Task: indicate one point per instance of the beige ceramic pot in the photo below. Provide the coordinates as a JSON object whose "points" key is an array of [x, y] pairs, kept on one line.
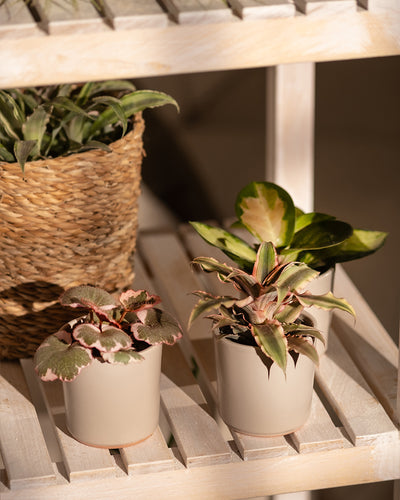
{"points": [[114, 405], [321, 318], [257, 400]]}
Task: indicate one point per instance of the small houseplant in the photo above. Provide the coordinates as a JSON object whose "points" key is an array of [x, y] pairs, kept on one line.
{"points": [[109, 361], [70, 175], [264, 343], [266, 212]]}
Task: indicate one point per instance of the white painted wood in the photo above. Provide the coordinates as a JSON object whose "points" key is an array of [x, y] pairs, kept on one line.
{"points": [[23, 448], [351, 398], [263, 9], [195, 431], [198, 11], [136, 14], [290, 130], [152, 455], [254, 447], [377, 360], [70, 17], [323, 8], [386, 6], [319, 432], [222, 46], [17, 21]]}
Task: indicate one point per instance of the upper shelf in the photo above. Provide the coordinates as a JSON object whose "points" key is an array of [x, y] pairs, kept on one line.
{"points": [[41, 46]]}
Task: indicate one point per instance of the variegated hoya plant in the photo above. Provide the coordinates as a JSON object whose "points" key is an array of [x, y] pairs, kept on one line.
{"points": [[113, 331], [269, 310], [267, 213]]}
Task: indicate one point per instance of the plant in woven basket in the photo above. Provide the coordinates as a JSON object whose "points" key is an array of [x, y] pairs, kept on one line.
{"points": [[113, 330], [269, 311], [268, 213], [58, 120]]}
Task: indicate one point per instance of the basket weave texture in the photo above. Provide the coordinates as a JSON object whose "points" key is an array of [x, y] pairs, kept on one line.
{"points": [[71, 220]]}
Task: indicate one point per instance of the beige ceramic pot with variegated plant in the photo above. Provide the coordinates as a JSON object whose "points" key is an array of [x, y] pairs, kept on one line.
{"points": [[264, 343], [110, 364]]}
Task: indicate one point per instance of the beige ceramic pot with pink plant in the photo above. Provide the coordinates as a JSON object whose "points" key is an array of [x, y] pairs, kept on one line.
{"points": [[110, 364]]}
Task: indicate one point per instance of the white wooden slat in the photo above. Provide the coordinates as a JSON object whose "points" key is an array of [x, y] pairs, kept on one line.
{"points": [[376, 360], [325, 8], [352, 399], [319, 432], [63, 18], [254, 447], [127, 14], [198, 11], [263, 9], [22, 444], [195, 431], [17, 21], [80, 461], [290, 136], [151, 455]]}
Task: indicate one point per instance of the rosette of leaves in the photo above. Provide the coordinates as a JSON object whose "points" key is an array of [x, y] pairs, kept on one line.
{"points": [[268, 213], [269, 312], [113, 330], [57, 120]]}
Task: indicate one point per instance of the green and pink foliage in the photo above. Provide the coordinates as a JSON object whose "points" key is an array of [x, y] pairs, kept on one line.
{"points": [[268, 213], [113, 331], [270, 307]]}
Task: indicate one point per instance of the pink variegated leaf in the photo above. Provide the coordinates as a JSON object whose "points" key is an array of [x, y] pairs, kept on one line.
{"points": [[303, 346], [90, 297], [109, 339], [137, 300], [272, 340], [55, 359], [156, 327], [122, 357], [327, 302]]}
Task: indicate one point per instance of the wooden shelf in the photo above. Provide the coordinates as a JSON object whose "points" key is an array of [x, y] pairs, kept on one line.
{"points": [[143, 39], [352, 435]]}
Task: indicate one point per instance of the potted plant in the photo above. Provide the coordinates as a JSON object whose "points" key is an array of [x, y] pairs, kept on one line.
{"points": [[266, 212], [109, 361], [70, 174], [264, 343]]}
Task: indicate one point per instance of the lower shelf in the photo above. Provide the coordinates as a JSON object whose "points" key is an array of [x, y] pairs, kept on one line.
{"points": [[352, 435]]}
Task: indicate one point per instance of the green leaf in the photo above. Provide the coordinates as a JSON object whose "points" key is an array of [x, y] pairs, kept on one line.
{"points": [[207, 303], [304, 220], [68, 104], [122, 357], [94, 145], [115, 105], [236, 248], [267, 211], [289, 312], [108, 339], [360, 244], [327, 301], [11, 116], [132, 104], [300, 329], [303, 346], [5, 155], [35, 127], [22, 150], [321, 234], [156, 327], [266, 261], [55, 359], [271, 338], [293, 277]]}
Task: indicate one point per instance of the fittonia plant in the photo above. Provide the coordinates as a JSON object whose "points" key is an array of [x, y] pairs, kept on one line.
{"points": [[268, 213], [113, 331], [270, 308]]}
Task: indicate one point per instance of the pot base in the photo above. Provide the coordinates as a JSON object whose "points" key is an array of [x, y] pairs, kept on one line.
{"points": [[112, 447], [266, 435]]}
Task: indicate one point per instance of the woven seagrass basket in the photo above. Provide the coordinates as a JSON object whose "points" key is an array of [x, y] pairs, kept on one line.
{"points": [[72, 220]]}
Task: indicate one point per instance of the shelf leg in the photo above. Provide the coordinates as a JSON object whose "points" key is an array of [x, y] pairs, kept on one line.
{"points": [[290, 130]]}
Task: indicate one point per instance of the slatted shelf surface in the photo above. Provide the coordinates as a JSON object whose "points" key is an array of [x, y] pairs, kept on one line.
{"points": [[136, 38], [351, 436]]}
